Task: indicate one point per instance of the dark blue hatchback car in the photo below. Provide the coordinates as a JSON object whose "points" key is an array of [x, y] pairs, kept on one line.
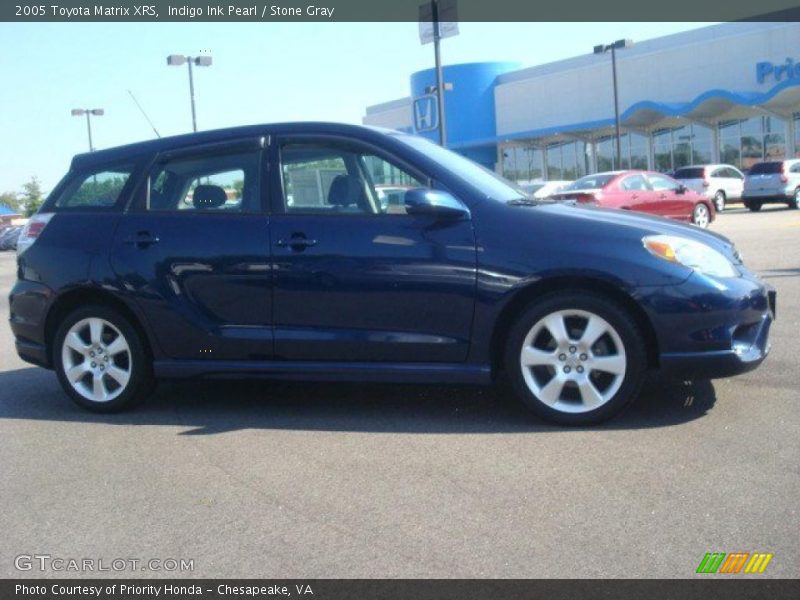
{"points": [[265, 251]]}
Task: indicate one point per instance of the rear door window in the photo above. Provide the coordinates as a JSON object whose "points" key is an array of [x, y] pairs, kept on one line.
{"points": [[219, 183], [634, 183]]}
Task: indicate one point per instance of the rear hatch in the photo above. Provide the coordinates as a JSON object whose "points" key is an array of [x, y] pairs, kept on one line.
{"points": [[765, 179], [693, 178]]}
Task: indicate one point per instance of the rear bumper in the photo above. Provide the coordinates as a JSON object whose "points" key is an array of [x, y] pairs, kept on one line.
{"points": [[28, 304], [768, 195]]}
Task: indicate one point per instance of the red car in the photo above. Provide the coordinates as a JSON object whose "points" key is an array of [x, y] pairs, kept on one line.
{"points": [[644, 191]]}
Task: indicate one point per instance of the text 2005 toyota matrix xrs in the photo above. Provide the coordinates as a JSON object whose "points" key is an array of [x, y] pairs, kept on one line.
{"points": [[265, 251]]}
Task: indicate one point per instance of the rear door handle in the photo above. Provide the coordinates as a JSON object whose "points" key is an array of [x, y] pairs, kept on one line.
{"points": [[141, 239], [296, 243]]}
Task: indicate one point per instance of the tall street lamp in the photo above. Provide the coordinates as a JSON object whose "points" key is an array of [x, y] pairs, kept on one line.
{"points": [[97, 112], [176, 60], [613, 47]]}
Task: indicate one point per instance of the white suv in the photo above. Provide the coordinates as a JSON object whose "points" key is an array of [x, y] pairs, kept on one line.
{"points": [[772, 181], [723, 183]]}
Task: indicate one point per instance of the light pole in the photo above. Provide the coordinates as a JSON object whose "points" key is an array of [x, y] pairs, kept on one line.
{"points": [[602, 49], [176, 60], [97, 112]]}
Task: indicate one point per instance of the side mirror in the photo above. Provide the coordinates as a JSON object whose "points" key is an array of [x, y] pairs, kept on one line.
{"points": [[435, 203], [681, 189]]}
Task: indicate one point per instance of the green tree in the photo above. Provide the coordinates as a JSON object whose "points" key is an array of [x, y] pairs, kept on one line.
{"points": [[10, 199], [32, 196]]}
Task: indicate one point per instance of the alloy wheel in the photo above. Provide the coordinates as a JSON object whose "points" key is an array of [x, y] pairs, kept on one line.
{"points": [[700, 216], [96, 359], [719, 201], [573, 361]]}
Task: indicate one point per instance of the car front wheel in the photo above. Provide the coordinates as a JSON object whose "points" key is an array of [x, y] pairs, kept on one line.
{"points": [[701, 216], [575, 358], [795, 201], [719, 201], [100, 360]]}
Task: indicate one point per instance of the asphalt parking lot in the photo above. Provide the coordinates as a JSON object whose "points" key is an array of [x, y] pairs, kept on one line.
{"points": [[260, 479]]}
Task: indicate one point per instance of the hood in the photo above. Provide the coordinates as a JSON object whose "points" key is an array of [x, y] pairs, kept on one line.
{"points": [[639, 225]]}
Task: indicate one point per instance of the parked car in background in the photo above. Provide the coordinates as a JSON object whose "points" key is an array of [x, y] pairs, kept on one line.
{"points": [[8, 240], [775, 181], [541, 190], [642, 191], [124, 282], [722, 183]]}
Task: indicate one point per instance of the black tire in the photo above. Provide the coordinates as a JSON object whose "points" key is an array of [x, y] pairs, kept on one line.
{"points": [[754, 206], [793, 203], [616, 316], [719, 201], [140, 383]]}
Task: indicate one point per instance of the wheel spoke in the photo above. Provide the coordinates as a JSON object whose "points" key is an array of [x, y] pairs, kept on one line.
{"points": [[74, 341], [76, 373], [589, 394], [555, 325], [119, 375], [98, 388], [551, 392], [117, 346], [532, 356], [595, 328], [614, 364], [96, 331]]}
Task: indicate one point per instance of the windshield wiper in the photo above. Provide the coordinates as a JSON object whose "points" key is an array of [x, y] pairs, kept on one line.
{"points": [[523, 202]]}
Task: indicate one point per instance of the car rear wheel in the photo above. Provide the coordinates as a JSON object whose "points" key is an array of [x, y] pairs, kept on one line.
{"points": [[575, 358], [719, 200], [701, 216], [100, 360], [754, 206]]}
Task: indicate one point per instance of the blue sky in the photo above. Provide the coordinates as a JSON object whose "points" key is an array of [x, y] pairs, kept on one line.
{"points": [[262, 72]]}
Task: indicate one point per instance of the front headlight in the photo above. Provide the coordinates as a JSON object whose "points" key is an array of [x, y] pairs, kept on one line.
{"points": [[690, 253]]}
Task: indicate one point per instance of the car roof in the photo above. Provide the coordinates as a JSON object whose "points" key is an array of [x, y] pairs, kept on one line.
{"points": [[175, 142]]}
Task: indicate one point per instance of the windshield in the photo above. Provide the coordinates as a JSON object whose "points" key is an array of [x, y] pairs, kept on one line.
{"points": [[591, 182], [488, 182]]}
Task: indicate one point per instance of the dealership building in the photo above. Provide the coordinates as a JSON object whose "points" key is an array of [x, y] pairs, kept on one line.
{"points": [[726, 93]]}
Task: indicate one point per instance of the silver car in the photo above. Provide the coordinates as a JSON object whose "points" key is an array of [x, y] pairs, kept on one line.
{"points": [[722, 183], [772, 181]]}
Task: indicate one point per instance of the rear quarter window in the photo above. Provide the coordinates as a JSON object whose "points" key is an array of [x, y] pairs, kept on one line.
{"points": [[100, 189]]}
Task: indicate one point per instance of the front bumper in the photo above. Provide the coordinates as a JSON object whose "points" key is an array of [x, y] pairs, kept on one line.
{"points": [[711, 328]]}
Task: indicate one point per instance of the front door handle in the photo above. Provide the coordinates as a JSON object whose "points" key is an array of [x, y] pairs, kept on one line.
{"points": [[141, 239], [297, 243]]}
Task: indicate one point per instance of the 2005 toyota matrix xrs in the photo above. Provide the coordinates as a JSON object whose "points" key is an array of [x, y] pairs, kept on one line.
{"points": [[266, 251]]}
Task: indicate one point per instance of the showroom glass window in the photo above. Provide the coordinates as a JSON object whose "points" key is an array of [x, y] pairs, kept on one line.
{"points": [[677, 147], [522, 163], [744, 142], [567, 160]]}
